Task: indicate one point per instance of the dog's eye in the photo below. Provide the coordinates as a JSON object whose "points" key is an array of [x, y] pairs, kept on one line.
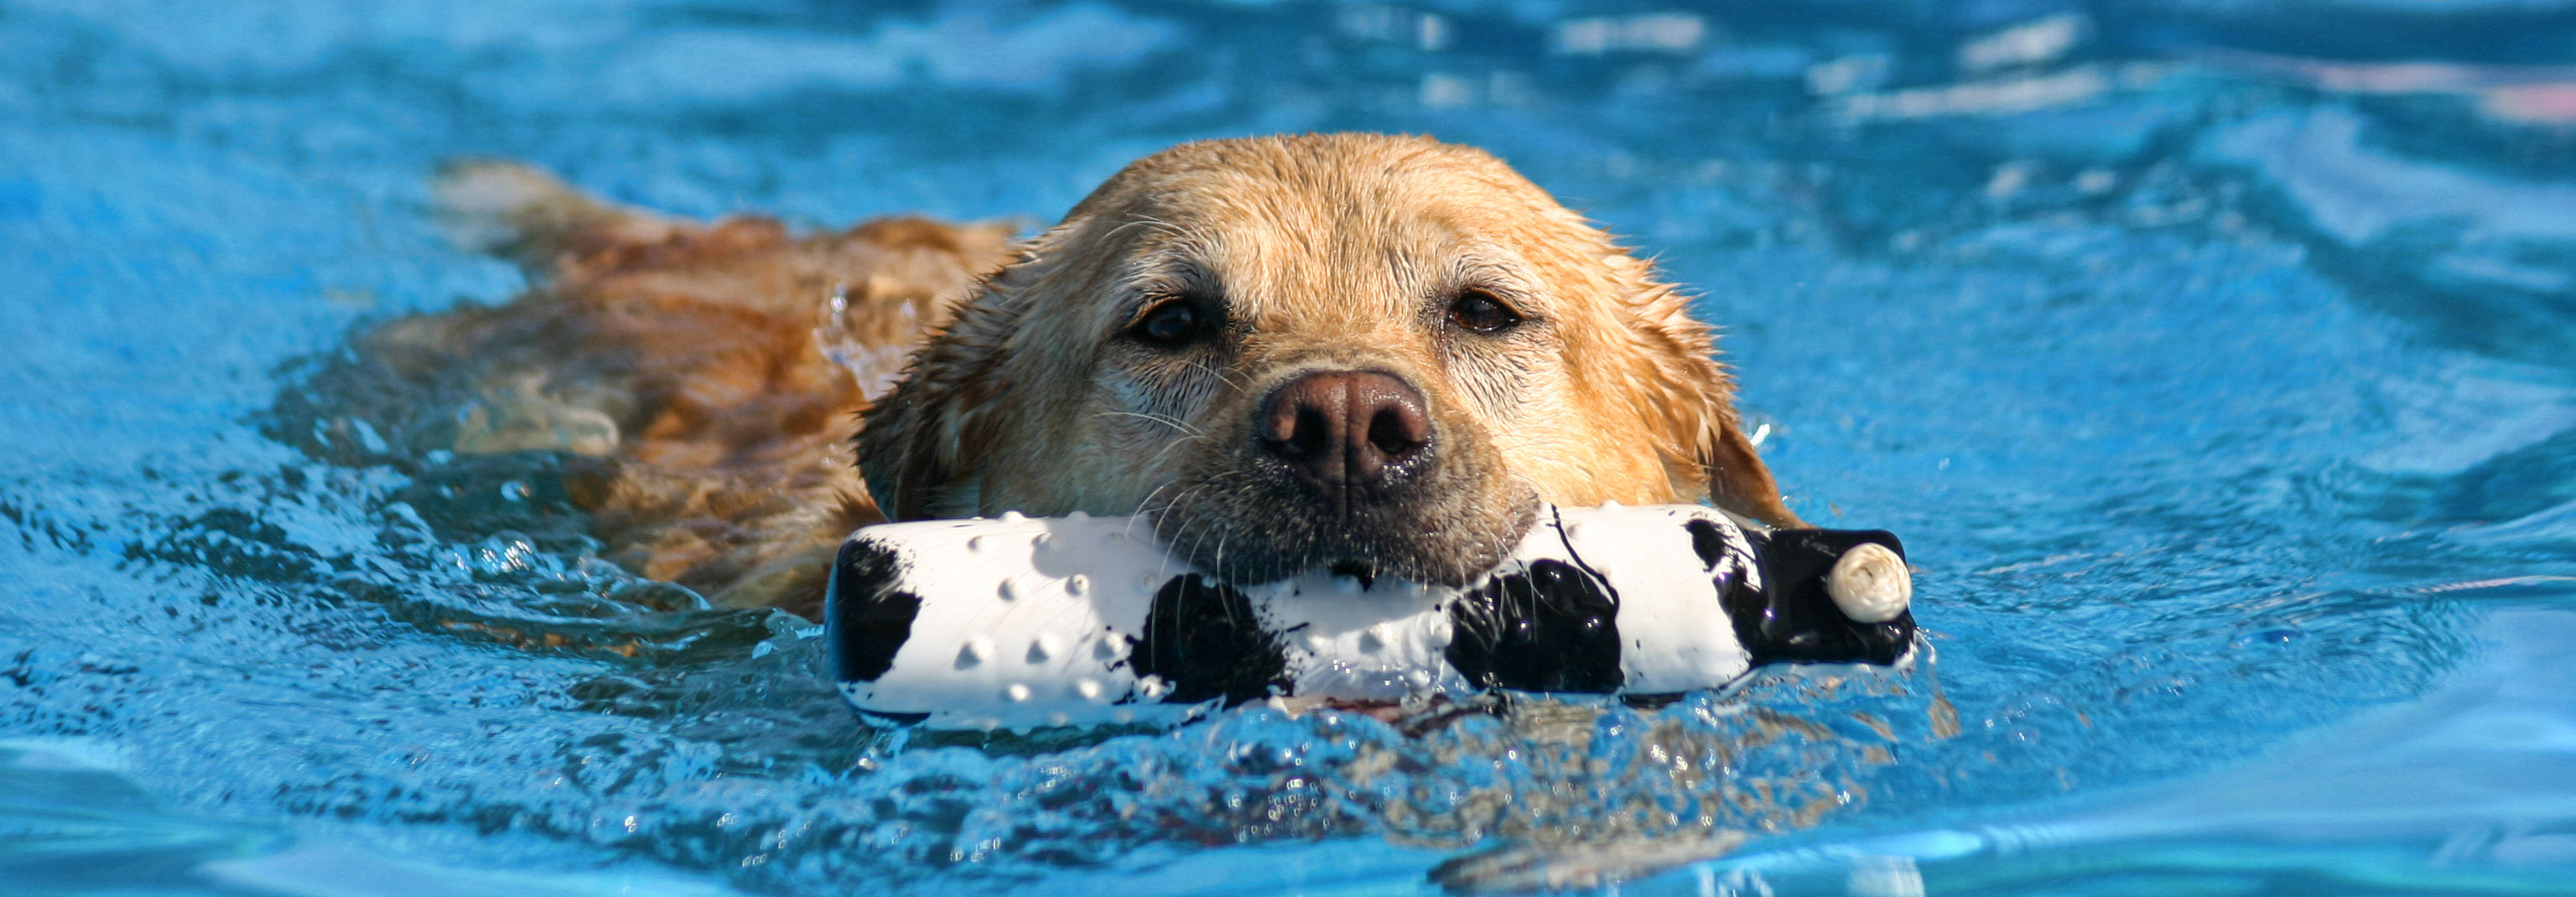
{"points": [[1480, 312], [1169, 325]]}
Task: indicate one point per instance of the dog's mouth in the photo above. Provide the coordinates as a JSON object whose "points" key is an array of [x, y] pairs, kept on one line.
{"points": [[1247, 535]]}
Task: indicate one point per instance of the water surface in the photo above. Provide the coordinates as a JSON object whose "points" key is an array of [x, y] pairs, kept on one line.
{"points": [[2218, 370]]}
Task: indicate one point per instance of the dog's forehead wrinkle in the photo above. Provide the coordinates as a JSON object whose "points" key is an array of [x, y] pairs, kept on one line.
{"points": [[1497, 270], [1164, 271], [1328, 212]]}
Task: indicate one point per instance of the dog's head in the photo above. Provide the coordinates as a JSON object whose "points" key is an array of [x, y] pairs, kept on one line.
{"points": [[1375, 354]]}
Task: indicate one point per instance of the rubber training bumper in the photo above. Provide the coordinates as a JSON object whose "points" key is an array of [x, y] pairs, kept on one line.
{"points": [[1024, 622]]}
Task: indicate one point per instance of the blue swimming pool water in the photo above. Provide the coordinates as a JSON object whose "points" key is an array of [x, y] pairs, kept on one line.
{"points": [[2218, 370]]}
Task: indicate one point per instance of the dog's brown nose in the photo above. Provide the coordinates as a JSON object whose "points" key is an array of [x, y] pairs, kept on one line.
{"points": [[1345, 428]]}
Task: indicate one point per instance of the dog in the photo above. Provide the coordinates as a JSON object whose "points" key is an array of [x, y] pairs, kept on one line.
{"points": [[1374, 354]]}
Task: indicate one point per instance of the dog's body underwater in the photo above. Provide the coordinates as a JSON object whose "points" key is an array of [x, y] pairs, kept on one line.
{"points": [[1375, 354]]}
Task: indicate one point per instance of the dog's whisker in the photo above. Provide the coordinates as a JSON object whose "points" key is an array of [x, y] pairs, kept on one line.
{"points": [[1168, 449], [1146, 508], [1172, 557], [1164, 419], [1222, 375], [1142, 220]]}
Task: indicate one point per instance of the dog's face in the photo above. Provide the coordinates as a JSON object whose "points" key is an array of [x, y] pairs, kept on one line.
{"points": [[1367, 353]]}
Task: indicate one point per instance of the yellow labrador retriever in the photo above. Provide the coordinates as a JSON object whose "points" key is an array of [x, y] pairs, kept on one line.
{"points": [[1372, 353]]}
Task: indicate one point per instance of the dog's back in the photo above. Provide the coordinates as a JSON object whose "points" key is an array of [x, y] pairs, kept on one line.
{"points": [[704, 379]]}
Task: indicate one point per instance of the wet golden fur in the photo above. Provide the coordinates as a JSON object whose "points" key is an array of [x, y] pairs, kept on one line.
{"points": [[691, 364]]}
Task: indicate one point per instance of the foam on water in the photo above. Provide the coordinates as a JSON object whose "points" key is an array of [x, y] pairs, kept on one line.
{"points": [[2220, 406]]}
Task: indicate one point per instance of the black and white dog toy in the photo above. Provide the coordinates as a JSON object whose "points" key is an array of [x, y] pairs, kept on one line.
{"points": [[1023, 622]]}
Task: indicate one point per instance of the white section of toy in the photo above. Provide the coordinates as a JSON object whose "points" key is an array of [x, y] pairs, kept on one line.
{"points": [[1682, 638], [1025, 622]]}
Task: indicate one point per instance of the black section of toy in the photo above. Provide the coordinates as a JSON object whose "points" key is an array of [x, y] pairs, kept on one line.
{"points": [[1204, 641], [1553, 628], [1792, 619], [870, 618]]}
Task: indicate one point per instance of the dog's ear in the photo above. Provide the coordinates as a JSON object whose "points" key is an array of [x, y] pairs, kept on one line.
{"points": [[1738, 480], [1690, 398], [922, 445]]}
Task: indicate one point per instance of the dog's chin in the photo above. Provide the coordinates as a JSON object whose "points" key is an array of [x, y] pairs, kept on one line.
{"points": [[1253, 536]]}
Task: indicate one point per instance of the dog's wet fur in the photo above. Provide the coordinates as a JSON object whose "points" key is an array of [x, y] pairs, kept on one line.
{"points": [[1370, 353]]}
